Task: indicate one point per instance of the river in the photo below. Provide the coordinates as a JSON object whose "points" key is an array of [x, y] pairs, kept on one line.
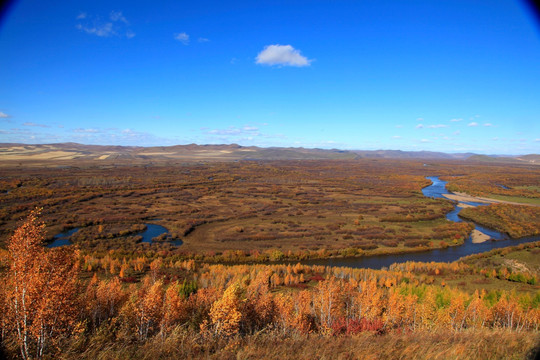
{"points": [[452, 253], [436, 190]]}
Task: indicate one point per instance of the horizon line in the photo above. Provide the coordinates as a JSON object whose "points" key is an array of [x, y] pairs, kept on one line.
{"points": [[268, 147]]}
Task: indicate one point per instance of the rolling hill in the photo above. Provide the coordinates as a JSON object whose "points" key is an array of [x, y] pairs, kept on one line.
{"points": [[69, 152]]}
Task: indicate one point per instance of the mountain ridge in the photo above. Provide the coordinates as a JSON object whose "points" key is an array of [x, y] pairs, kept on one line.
{"points": [[226, 152]]}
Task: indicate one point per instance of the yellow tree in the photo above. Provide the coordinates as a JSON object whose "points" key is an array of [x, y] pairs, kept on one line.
{"points": [[259, 309], [149, 308], [325, 302], [225, 313], [40, 289], [174, 308], [103, 299]]}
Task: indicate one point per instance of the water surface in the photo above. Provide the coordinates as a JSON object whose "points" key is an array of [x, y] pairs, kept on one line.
{"points": [[436, 190], [152, 231]]}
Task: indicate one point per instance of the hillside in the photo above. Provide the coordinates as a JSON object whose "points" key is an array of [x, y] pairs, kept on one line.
{"points": [[68, 152]]}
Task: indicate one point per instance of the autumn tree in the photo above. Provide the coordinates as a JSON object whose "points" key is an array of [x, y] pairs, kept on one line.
{"points": [[225, 313], [143, 311], [40, 289], [174, 308], [103, 300]]}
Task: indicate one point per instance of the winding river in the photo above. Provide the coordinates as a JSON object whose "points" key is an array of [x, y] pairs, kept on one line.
{"points": [[151, 231], [436, 190]]}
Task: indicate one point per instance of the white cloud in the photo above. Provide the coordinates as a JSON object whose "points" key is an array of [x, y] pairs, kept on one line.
{"points": [[101, 30], [203, 40], [232, 130], [3, 115], [488, 124], [420, 119], [472, 124], [456, 120], [419, 126], [457, 132], [182, 37], [35, 125], [115, 25], [536, 140], [99, 136], [495, 139], [117, 16], [284, 55], [246, 134], [86, 131], [437, 126], [399, 126], [425, 141]]}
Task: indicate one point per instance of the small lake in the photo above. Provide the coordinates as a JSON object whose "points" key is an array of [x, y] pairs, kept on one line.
{"points": [[436, 190], [62, 238], [152, 231]]}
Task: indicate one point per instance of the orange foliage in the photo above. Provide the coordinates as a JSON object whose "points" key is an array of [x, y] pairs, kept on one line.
{"points": [[40, 290]]}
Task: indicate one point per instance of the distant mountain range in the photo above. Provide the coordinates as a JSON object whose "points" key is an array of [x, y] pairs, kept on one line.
{"points": [[193, 152]]}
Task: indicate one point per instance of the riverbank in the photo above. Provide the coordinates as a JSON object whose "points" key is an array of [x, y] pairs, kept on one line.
{"points": [[463, 197]]}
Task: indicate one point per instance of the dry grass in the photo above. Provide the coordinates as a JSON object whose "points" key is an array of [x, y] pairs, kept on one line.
{"points": [[418, 345]]}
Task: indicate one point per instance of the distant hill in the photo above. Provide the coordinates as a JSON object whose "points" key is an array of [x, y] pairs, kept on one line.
{"points": [[398, 154], [533, 159], [69, 152]]}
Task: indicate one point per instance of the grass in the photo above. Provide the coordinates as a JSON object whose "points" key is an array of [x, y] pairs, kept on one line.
{"points": [[517, 199], [181, 344], [471, 283], [528, 258], [529, 187], [298, 206]]}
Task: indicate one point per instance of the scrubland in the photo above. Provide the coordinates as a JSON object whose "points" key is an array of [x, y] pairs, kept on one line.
{"points": [[255, 208]]}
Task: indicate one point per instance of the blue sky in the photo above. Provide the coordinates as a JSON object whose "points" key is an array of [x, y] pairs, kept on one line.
{"points": [[448, 76]]}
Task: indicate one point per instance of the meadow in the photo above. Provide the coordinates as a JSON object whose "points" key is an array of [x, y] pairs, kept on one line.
{"points": [[317, 208]]}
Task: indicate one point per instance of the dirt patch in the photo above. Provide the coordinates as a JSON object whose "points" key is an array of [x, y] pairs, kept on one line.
{"points": [[464, 197], [479, 237], [516, 265]]}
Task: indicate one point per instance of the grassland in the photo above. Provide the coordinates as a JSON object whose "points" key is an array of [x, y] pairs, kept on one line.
{"points": [[312, 207], [246, 206], [518, 199], [419, 345]]}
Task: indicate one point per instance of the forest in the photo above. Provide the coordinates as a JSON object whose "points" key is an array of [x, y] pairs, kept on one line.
{"points": [[237, 287]]}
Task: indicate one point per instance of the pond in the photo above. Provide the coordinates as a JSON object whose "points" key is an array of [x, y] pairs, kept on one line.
{"points": [[151, 231]]}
